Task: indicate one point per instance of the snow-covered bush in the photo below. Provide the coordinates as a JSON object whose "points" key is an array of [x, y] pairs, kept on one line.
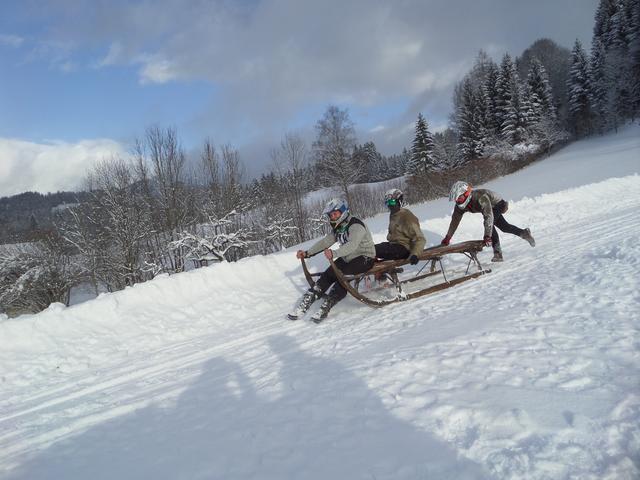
{"points": [[214, 241], [32, 276]]}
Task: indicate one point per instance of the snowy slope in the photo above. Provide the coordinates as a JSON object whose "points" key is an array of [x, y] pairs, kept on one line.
{"points": [[529, 372]]}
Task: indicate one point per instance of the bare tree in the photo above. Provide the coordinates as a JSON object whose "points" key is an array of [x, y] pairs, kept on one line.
{"points": [[334, 149], [232, 174], [210, 171], [161, 169], [290, 161], [110, 230]]}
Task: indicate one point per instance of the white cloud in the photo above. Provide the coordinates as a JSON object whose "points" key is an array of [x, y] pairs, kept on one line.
{"points": [[273, 58], [273, 61], [11, 40], [157, 70], [49, 167]]}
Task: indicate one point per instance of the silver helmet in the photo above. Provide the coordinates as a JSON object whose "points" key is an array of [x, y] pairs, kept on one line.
{"points": [[394, 194], [460, 193], [337, 205]]}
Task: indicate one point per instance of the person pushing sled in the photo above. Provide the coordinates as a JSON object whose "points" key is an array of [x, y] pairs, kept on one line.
{"points": [[492, 207]]}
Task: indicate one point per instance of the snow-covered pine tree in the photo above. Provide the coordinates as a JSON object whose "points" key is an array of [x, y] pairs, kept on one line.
{"points": [[540, 95], [470, 121], [445, 149], [490, 91], [578, 88], [511, 111], [370, 161], [602, 21], [422, 158], [615, 63], [598, 95], [634, 56], [555, 60], [618, 68]]}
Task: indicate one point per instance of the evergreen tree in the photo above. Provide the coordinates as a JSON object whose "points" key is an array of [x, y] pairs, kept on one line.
{"points": [[445, 149], [422, 158], [580, 122], [602, 24], [555, 60], [598, 95], [490, 91], [634, 56], [511, 109], [540, 95], [618, 69], [472, 135], [371, 162]]}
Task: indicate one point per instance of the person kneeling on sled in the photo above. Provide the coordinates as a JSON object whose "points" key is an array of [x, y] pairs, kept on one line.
{"points": [[355, 255], [405, 239], [492, 207]]}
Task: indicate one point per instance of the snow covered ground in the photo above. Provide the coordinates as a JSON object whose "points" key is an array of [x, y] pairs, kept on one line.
{"points": [[532, 371]]}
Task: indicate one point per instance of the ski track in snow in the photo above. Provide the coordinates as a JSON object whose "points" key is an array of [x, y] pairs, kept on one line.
{"points": [[529, 372]]}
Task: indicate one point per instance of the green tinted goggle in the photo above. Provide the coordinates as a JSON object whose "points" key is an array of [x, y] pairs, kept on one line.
{"points": [[392, 202]]}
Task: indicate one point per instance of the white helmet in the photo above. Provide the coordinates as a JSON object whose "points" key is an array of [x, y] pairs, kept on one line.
{"points": [[394, 194], [339, 205], [460, 193]]}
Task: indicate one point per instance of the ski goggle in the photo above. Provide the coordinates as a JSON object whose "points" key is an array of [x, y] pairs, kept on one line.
{"points": [[462, 198], [334, 214], [392, 202]]}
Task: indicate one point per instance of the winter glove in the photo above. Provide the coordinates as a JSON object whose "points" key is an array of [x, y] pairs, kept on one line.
{"points": [[413, 259], [445, 240], [300, 254], [487, 241]]}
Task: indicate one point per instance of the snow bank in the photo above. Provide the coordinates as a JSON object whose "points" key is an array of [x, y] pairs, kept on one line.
{"points": [[529, 372]]}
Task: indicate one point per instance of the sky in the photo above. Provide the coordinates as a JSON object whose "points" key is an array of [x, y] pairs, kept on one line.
{"points": [[82, 79]]}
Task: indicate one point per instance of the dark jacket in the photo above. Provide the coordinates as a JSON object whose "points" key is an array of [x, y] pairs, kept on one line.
{"points": [[482, 201]]}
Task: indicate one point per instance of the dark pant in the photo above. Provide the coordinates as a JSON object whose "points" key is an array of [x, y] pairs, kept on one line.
{"points": [[391, 251], [502, 224], [357, 265]]}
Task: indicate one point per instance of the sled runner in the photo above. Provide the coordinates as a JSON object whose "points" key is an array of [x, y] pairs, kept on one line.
{"points": [[390, 269]]}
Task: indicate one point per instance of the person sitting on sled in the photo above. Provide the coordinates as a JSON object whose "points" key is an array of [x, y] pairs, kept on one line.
{"points": [[492, 207], [356, 254], [405, 238]]}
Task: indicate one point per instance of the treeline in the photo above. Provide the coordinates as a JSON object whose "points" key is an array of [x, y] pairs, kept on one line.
{"points": [[25, 216], [157, 213]]}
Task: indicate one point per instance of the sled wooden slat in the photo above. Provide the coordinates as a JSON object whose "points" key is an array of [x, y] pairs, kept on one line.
{"points": [[392, 268]]}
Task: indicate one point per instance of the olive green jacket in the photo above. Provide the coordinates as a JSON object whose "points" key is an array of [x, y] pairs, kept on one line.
{"points": [[404, 228]]}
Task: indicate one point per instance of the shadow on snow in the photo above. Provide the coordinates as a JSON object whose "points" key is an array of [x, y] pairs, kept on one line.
{"points": [[324, 423]]}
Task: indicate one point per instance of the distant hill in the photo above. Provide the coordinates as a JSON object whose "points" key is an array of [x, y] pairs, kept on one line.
{"points": [[27, 214]]}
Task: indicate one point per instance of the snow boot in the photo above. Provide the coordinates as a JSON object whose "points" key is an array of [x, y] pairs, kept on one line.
{"points": [[497, 254], [324, 309], [307, 300], [526, 235]]}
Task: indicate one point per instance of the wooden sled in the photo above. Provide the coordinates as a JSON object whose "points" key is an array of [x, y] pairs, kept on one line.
{"points": [[391, 268]]}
